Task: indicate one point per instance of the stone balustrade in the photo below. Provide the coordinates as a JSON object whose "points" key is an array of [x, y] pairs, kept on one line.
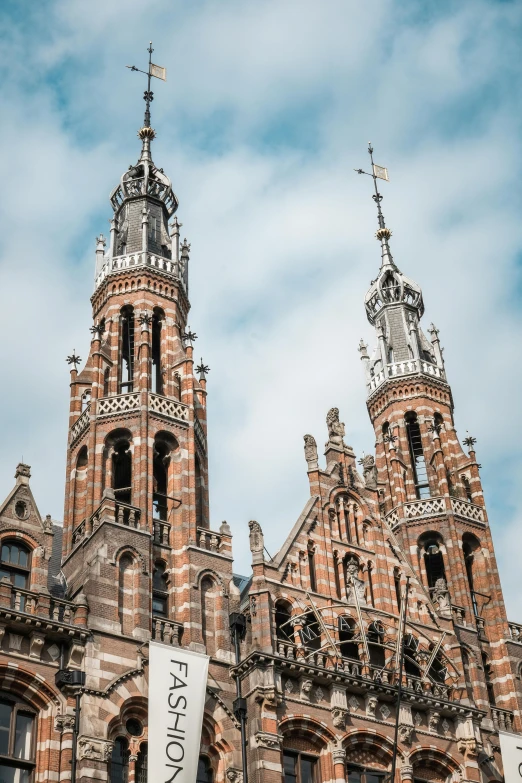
{"points": [[161, 532], [502, 719], [459, 614], [167, 631], [142, 259], [408, 367], [14, 601], [80, 425]]}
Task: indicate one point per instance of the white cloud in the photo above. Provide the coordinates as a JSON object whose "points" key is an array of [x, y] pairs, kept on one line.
{"points": [[266, 112]]}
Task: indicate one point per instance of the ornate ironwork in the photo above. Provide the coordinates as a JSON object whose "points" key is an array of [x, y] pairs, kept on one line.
{"points": [[73, 359]]}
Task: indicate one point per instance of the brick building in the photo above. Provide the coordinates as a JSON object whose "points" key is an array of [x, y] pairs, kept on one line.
{"points": [[391, 552]]}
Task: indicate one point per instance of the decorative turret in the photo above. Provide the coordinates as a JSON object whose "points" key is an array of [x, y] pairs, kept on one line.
{"points": [[394, 305]]}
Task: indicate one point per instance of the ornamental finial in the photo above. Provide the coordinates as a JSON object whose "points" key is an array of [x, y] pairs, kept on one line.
{"points": [[158, 72], [73, 359], [203, 370], [383, 233]]}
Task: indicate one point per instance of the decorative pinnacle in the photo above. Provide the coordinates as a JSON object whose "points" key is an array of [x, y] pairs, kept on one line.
{"points": [[73, 359], [469, 442], [383, 233], [158, 72], [96, 331], [189, 337], [145, 318], [202, 369], [390, 438], [434, 427]]}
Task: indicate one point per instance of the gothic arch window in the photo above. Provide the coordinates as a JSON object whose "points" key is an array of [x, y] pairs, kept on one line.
{"points": [[488, 676], [200, 492], [15, 565], [311, 567], [158, 318], [282, 616], [397, 585], [126, 593], [164, 445], [375, 637], [411, 645], [141, 764], [205, 773], [418, 461], [208, 590], [160, 590], [336, 574], [470, 549], [17, 740], [467, 674], [126, 349], [467, 488], [86, 399], [433, 559], [82, 458], [119, 763], [106, 381], [310, 632], [121, 456], [347, 633], [369, 572]]}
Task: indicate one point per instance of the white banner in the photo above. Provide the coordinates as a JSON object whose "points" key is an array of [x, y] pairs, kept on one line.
{"points": [[511, 749], [177, 687]]}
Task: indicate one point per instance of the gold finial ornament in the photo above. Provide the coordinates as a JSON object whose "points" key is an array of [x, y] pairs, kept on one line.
{"points": [[147, 133], [383, 233]]}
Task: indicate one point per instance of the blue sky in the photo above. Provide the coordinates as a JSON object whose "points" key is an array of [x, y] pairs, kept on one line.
{"points": [[267, 110]]}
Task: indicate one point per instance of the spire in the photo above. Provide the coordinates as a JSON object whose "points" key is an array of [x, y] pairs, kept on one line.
{"points": [[383, 233], [146, 133]]}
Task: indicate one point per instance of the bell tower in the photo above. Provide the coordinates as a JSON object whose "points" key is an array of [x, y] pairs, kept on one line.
{"points": [[137, 467], [429, 488]]}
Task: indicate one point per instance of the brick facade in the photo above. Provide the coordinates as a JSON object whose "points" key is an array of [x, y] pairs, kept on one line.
{"points": [[137, 557]]}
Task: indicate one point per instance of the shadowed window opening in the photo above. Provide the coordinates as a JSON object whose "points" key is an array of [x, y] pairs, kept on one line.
{"points": [[157, 375], [311, 569], [411, 645], [205, 773], [17, 741], [299, 768], [375, 637], [347, 631], [358, 774], [141, 764], [127, 350], [119, 764], [284, 630], [488, 675], [467, 488], [122, 471], [160, 590], [469, 559], [434, 563], [310, 632], [418, 462]]}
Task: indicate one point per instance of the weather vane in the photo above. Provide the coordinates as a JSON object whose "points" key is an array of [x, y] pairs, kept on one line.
{"points": [[159, 72], [378, 172]]}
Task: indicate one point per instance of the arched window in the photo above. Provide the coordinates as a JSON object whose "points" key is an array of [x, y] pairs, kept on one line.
{"points": [[438, 421], [15, 566], [467, 674], [126, 594], [127, 349], [310, 632], [82, 458], [205, 773], [86, 399], [17, 740], [433, 562], [141, 764], [157, 375], [347, 632], [119, 764], [411, 646], [106, 382], [208, 613], [469, 546], [358, 774], [311, 568], [467, 488], [122, 470], [164, 445], [438, 669], [488, 676], [160, 590], [284, 630], [200, 493], [397, 583], [299, 768], [418, 462], [375, 637]]}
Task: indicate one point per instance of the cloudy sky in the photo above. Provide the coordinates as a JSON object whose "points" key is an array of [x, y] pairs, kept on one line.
{"points": [[267, 110]]}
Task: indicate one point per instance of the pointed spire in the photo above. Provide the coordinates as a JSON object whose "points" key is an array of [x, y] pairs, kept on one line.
{"points": [[383, 233]]}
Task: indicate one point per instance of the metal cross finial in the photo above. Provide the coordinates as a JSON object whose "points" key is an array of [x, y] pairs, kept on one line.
{"points": [[159, 72], [378, 172], [188, 336], [73, 359], [469, 441]]}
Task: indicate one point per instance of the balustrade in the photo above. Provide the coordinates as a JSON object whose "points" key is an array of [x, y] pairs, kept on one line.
{"points": [[407, 367], [161, 532], [502, 719], [80, 425], [38, 604], [459, 614], [127, 515], [207, 539], [166, 631]]}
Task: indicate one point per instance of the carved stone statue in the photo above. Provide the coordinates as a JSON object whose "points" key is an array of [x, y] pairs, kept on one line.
{"points": [[354, 583], [433, 721], [442, 597], [310, 449], [306, 689], [335, 427], [369, 471], [257, 541], [405, 734], [371, 705], [339, 717]]}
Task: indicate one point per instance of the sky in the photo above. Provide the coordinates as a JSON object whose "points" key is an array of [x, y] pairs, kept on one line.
{"points": [[267, 110]]}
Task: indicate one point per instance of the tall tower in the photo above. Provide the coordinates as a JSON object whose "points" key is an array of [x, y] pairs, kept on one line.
{"points": [[138, 550], [430, 492]]}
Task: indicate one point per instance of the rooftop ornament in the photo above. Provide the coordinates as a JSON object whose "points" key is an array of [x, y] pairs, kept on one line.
{"points": [[203, 370], [73, 359], [188, 337]]}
